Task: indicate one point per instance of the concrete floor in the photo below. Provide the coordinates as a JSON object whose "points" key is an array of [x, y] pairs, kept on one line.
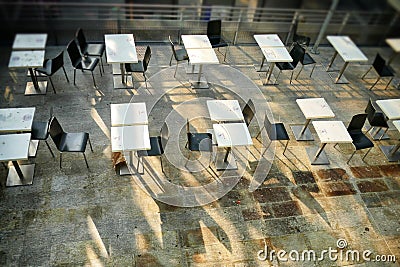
{"points": [[74, 216]]}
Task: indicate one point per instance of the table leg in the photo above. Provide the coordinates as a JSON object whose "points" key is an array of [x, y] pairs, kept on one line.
{"points": [[394, 150], [225, 161], [305, 126], [302, 133], [228, 150], [122, 72], [199, 75], [35, 87], [271, 68], [341, 72], [34, 79], [199, 84], [333, 59], [18, 169], [319, 151], [317, 156], [262, 62]]}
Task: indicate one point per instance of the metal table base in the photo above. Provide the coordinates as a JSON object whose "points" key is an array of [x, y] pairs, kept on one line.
{"points": [[317, 156], [13, 179], [305, 136], [392, 153]]}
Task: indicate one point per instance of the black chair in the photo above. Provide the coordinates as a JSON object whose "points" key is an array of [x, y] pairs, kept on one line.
{"points": [[40, 130], [198, 142], [68, 142], [90, 48], [300, 39], [141, 66], [306, 59], [179, 53], [382, 69], [376, 118], [360, 141], [157, 144], [296, 55], [51, 66], [248, 112], [214, 34], [275, 132], [79, 63]]}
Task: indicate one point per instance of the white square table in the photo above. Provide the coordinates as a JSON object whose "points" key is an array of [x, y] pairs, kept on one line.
{"points": [[200, 52], [265, 41], [130, 139], [120, 48], [329, 132], [225, 110], [14, 120], [312, 108], [29, 59], [392, 152], [349, 52], [29, 41], [394, 43], [273, 55], [227, 136], [391, 108], [128, 114], [14, 147]]}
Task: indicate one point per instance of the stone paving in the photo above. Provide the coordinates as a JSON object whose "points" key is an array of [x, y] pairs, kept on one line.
{"points": [[78, 217]]}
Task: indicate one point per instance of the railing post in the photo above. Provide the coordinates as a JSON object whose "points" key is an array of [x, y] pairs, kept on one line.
{"points": [[321, 34], [344, 22], [180, 25], [237, 27], [296, 15]]}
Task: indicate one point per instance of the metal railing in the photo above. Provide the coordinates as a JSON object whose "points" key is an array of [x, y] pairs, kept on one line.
{"points": [[153, 23]]}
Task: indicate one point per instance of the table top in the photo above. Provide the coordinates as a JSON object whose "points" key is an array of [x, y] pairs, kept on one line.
{"points": [[346, 48], [224, 110], [14, 146], [391, 108], [276, 54], [332, 132], [264, 40], [128, 114], [16, 119], [394, 43], [130, 138], [196, 41], [120, 48], [315, 108], [26, 59], [202, 56], [232, 134], [28, 41], [397, 125]]}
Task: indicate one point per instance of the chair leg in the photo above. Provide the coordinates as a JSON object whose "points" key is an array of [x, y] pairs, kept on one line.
{"points": [[101, 61], [313, 69], [94, 82], [375, 83], [291, 77], [284, 150], [277, 76], [226, 52], [66, 76], [366, 73], [176, 68], [297, 76], [60, 160], [90, 144], [170, 61], [74, 75], [162, 167], [84, 156], [351, 157], [48, 146], [387, 85], [366, 154], [52, 85]]}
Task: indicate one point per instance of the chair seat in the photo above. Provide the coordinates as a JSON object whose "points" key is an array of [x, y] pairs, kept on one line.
{"points": [[39, 130], [134, 67], [360, 141], [46, 67], [285, 65], [301, 39], [155, 150], [217, 41], [281, 133], [386, 72], [379, 120], [95, 49], [89, 63], [73, 142], [200, 141], [307, 59], [181, 54]]}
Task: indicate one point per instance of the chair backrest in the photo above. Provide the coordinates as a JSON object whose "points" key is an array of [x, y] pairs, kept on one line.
{"points": [[56, 131], [146, 59], [248, 112], [74, 54], [172, 47], [270, 128], [164, 134], [357, 123], [81, 40], [297, 54], [379, 63], [214, 28], [57, 62], [370, 110]]}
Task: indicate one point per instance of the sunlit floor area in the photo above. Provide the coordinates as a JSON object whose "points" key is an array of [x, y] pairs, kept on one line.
{"points": [[181, 209]]}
